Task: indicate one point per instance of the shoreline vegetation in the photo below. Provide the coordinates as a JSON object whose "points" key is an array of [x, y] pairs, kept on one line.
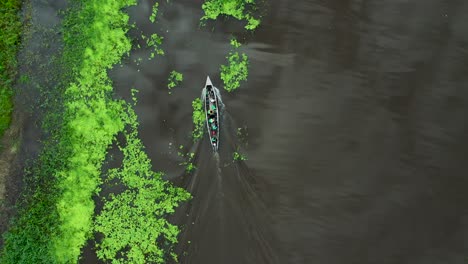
{"points": [[10, 25], [56, 216]]}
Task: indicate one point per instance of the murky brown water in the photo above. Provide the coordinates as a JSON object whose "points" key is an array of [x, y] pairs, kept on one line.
{"points": [[357, 132]]}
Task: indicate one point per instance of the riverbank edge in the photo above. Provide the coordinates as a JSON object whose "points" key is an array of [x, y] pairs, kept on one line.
{"points": [[15, 20]]}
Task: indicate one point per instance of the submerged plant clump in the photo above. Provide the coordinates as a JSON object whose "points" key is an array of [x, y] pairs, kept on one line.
{"points": [[175, 78], [9, 40], [242, 134], [236, 70], [237, 156], [239, 9], [133, 221], [188, 162], [198, 118]]}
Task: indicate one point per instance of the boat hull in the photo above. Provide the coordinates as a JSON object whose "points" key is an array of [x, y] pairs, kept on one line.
{"points": [[212, 113]]}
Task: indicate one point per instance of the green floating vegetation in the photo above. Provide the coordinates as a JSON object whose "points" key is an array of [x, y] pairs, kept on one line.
{"points": [[236, 70], [188, 162], [10, 26], [237, 156], [242, 134], [234, 43], [239, 9], [132, 222], [92, 118], [198, 118], [154, 41], [55, 218], [154, 12], [175, 78]]}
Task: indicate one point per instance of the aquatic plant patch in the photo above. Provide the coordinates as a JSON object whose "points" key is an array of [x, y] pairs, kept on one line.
{"points": [[198, 119], [55, 220], [175, 78], [132, 222], [154, 41], [188, 160], [242, 135], [237, 156], [236, 70], [239, 9], [154, 12]]}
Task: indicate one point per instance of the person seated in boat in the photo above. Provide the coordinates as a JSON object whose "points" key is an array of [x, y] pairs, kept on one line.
{"points": [[212, 100], [214, 127], [213, 107], [211, 120], [211, 113]]}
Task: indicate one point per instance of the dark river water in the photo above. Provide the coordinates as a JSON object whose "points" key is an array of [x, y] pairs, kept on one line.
{"points": [[357, 131]]}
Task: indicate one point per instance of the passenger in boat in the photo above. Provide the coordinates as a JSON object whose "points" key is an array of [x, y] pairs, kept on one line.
{"points": [[212, 100], [211, 120], [214, 127]]}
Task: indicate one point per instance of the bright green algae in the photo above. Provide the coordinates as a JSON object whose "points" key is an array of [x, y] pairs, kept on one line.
{"points": [[56, 217], [239, 9], [132, 221], [92, 118], [236, 70], [175, 78], [198, 119]]}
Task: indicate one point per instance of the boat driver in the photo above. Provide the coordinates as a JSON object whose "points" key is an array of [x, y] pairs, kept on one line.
{"points": [[213, 140]]}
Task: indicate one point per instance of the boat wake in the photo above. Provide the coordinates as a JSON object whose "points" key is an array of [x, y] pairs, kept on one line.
{"points": [[226, 211]]}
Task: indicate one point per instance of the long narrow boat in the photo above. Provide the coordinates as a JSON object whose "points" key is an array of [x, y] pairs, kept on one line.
{"points": [[212, 112]]}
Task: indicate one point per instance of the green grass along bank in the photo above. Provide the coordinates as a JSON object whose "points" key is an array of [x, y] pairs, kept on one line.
{"points": [[10, 26]]}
